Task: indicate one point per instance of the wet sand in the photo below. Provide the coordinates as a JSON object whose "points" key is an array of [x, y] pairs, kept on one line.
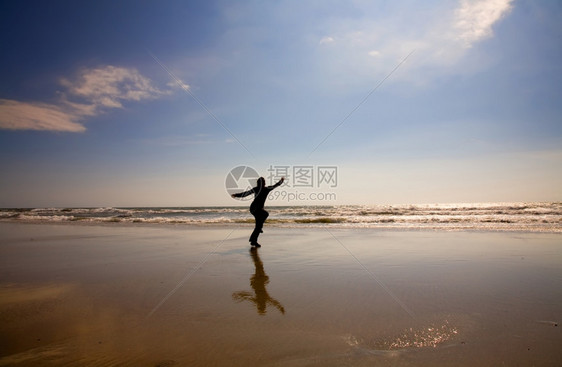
{"points": [[177, 295]]}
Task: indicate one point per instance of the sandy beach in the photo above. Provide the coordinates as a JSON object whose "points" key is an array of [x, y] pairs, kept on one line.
{"points": [[143, 295]]}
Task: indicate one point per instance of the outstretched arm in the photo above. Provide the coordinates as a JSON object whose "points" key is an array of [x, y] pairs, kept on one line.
{"points": [[242, 296], [243, 194], [277, 184]]}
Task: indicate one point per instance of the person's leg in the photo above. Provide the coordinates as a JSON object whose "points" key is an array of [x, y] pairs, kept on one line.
{"points": [[261, 216], [257, 229], [263, 221]]}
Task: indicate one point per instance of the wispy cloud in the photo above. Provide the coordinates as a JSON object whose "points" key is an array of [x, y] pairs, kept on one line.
{"points": [[178, 84], [92, 92], [326, 40], [109, 86], [16, 115], [441, 36], [474, 19]]}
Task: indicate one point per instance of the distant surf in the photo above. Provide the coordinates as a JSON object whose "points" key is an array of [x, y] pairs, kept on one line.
{"points": [[532, 217]]}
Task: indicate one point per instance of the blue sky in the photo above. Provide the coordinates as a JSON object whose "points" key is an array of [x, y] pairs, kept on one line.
{"points": [[97, 102]]}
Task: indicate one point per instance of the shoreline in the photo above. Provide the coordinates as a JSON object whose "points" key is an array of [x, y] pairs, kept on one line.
{"points": [[249, 224]]}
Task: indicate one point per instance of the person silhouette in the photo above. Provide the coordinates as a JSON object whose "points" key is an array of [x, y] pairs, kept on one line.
{"points": [[256, 208], [261, 298]]}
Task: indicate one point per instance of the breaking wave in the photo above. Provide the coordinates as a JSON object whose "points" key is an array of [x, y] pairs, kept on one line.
{"points": [[534, 217]]}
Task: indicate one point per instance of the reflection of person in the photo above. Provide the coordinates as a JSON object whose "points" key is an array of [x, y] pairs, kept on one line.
{"points": [[258, 282], [256, 208]]}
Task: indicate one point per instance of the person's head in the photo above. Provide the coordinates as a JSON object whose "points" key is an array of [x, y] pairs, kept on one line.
{"points": [[261, 182]]}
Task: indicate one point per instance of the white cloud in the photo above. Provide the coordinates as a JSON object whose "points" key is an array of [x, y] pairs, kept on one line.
{"points": [[441, 37], [16, 115], [474, 19], [92, 92], [78, 109], [178, 84], [326, 40], [108, 86]]}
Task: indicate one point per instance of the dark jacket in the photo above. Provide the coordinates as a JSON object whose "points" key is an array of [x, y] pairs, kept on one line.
{"points": [[261, 195]]}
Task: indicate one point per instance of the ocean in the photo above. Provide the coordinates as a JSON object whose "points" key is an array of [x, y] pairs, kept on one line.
{"points": [[529, 217]]}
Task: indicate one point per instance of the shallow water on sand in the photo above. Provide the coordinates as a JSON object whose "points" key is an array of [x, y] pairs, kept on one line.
{"points": [[149, 296]]}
